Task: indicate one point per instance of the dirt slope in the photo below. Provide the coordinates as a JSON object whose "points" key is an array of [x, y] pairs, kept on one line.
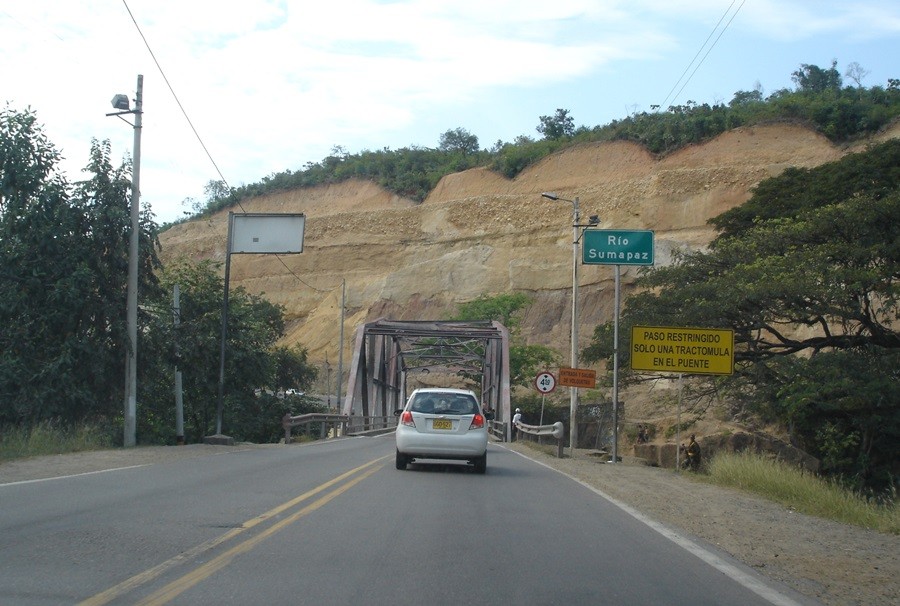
{"points": [[479, 233]]}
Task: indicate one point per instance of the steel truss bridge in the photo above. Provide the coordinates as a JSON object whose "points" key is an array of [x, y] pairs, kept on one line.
{"points": [[386, 351]]}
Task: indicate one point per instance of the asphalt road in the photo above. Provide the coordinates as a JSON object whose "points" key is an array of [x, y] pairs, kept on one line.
{"points": [[335, 523]]}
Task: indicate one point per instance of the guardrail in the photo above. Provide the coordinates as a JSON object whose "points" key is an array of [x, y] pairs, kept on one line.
{"points": [[371, 425], [337, 425], [498, 430], [557, 430]]}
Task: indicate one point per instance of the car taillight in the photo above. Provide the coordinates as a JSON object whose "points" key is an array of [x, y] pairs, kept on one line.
{"points": [[477, 422], [406, 419]]}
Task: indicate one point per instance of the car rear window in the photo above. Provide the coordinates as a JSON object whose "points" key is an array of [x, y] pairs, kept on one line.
{"points": [[444, 404]]}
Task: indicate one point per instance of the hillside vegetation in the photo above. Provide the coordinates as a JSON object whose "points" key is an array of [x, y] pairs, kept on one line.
{"points": [[820, 101]]}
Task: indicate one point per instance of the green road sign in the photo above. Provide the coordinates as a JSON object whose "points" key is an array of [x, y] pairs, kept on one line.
{"points": [[617, 247]]}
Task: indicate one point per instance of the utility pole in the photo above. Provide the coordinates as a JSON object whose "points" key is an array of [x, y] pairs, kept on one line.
{"points": [[179, 402], [340, 373], [120, 102]]}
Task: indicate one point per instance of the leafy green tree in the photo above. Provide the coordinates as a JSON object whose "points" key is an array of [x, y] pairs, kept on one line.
{"points": [[812, 78], [744, 98], [557, 126], [216, 191], [458, 140], [253, 362], [807, 276], [503, 308], [63, 253], [292, 369], [525, 361]]}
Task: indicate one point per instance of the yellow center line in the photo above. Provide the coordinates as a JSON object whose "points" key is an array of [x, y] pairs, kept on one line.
{"points": [[137, 580], [175, 588]]}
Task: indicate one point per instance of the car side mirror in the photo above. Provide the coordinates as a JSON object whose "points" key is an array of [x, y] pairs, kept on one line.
{"points": [[398, 412]]}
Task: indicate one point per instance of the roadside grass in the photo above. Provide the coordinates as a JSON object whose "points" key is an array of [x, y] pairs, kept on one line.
{"points": [[802, 491], [50, 438]]}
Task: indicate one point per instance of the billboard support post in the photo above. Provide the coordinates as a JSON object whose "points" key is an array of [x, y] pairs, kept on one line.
{"points": [[252, 233]]}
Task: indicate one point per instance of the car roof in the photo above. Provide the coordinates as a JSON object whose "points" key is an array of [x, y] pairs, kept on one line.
{"points": [[443, 390]]}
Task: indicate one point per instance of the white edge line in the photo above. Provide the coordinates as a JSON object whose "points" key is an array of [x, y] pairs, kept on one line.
{"points": [[750, 582], [74, 475]]}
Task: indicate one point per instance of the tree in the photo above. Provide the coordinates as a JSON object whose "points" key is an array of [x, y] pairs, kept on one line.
{"points": [[216, 191], [503, 308], [557, 126], [814, 79], [292, 369], [63, 250], [745, 97], [806, 274], [253, 363], [524, 360], [856, 72], [458, 140]]}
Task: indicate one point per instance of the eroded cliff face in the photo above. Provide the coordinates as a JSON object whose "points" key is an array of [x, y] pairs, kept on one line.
{"points": [[481, 234]]}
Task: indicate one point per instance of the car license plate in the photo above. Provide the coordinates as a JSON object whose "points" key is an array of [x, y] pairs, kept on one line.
{"points": [[442, 424]]}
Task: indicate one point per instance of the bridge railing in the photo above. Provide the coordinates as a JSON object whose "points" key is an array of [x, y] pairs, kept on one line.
{"points": [[498, 430], [371, 424], [336, 425]]}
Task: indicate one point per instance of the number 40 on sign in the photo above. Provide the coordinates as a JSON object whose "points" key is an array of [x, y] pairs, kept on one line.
{"points": [[545, 382]]}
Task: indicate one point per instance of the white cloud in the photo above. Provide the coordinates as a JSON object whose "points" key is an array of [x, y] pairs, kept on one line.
{"points": [[271, 85]]}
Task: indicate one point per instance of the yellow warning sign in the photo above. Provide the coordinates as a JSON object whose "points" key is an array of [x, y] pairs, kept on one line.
{"points": [[708, 351]]}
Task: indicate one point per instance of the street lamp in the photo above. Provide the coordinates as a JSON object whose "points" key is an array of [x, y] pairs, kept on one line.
{"points": [[120, 102], [573, 391]]}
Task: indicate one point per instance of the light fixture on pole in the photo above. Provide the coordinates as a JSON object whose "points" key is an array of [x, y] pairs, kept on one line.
{"points": [[573, 391], [120, 102]]}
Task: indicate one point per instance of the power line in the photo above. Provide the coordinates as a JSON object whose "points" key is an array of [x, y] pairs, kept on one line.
{"points": [[178, 101], [202, 144], [700, 50], [299, 279]]}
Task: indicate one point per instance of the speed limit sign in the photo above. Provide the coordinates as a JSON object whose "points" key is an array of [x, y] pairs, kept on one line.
{"points": [[545, 382]]}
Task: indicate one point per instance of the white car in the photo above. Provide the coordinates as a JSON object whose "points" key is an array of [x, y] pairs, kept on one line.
{"points": [[441, 423]]}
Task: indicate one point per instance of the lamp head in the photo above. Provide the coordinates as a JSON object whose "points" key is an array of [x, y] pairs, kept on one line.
{"points": [[121, 102], [550, 195]]}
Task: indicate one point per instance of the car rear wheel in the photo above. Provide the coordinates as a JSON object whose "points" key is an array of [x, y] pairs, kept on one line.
{"points": [[401, 461], [481, 464]]}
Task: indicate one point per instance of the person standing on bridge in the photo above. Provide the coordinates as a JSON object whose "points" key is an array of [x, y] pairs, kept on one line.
{"points": [[514, 430]]}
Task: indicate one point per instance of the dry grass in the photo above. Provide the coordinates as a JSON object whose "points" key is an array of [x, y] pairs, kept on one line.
{"points": [[803, 491], [48, 439]]}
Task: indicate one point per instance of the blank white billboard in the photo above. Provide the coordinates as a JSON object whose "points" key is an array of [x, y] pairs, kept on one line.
{"points": [[268, 233]]}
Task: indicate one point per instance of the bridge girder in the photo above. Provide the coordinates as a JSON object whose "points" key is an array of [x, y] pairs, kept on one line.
{"points": [[385, 351]]}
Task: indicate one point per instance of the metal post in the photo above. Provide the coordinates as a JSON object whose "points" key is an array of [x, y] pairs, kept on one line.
{"points": [[573, 391], [328, 381], [678, 424], [221, 399], [615, 394], [131, 361], [340, 374], [179, 402]]}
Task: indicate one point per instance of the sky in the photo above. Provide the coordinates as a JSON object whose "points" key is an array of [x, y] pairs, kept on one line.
{"points": [[238, 91]]}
